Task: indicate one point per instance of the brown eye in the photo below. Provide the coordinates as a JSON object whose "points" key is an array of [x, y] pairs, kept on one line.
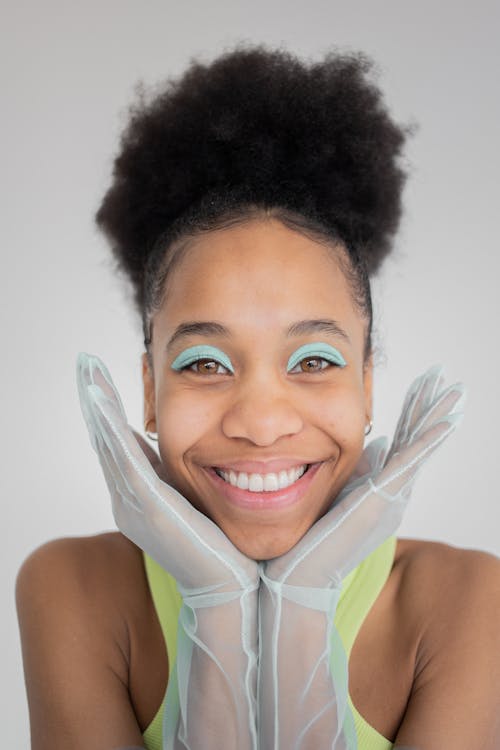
{"points": [[207, 367], [313, 364]]}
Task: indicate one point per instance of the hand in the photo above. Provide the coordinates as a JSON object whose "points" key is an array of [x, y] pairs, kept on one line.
{"points": [[307, 708], [212, 576]]}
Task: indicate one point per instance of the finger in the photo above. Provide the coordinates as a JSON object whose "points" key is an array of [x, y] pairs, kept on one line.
{"points": [[92, 371], [402, 467], [376, 452], [125, 505], [449, 401], [432, 384], [117, 482], [152, 456], [418, 399], [162, 526], [369, 514], [88, 407], [126, 460], [119, 499], [166, 513], [370, 463], [372, 459], [82, 383]]}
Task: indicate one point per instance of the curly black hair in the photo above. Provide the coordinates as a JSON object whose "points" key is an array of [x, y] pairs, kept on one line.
{"points": [[257, 130]]}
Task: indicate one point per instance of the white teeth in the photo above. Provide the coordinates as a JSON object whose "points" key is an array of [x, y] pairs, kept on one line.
{"points": [[262, 482], [271, 483], [256, 483], [283, 479], [242, 481]]}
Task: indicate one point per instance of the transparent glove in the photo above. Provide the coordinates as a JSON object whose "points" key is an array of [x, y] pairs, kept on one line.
{"points": [[211, 695], [301, 706]]}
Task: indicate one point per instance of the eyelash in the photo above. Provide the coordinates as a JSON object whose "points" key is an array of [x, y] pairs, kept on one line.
{"points": [[193, 364], [329, 362], [203, 359]]}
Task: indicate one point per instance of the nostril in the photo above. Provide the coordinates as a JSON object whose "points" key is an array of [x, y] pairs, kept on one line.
{"points": [[261, 420]]}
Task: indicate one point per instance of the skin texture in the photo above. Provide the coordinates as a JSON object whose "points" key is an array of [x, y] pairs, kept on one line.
{"points": [[257, 279]]}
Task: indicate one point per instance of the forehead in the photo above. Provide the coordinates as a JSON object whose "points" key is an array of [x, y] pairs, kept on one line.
{"points": [[259, 274]]}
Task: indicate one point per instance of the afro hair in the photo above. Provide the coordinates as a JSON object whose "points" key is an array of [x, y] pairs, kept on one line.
{"points": [[258, 127]]}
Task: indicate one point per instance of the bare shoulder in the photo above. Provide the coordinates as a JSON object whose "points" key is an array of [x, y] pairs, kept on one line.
{"points": [[439, 566], [93, 578], [434, 577], [75, 599], [89, 567], [100, 576], [454, 596], [106, 547]]}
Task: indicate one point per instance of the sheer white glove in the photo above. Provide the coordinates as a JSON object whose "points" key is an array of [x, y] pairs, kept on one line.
{"points": [[301, 707], [211, 696]]}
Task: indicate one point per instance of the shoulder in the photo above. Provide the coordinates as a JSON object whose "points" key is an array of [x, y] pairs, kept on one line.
{"points": [[87, 577], [419, 556], [442, 569], [458, 588], [439, 583], [76, 598], [452, 595], [82, 559]]}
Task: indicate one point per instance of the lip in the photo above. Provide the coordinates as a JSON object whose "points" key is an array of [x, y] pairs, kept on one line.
{"points": [[276, 500]]}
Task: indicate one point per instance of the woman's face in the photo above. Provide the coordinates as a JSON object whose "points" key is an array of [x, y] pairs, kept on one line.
{"points": [[234, 391]]}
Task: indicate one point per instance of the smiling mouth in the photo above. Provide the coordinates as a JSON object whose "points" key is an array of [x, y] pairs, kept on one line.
{"points": [[271, 482]]}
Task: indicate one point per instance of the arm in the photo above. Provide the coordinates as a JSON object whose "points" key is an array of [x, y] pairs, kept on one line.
{"points": [[455, 699], [304, 702], [217, 647], [75, 667]]}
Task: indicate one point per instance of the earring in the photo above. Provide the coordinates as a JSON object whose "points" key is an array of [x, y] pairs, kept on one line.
{"points": [[151, 435], [368, 428]]}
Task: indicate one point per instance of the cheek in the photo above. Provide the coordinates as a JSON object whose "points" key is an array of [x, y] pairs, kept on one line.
{"points": [[341, 410], [183, 418]]}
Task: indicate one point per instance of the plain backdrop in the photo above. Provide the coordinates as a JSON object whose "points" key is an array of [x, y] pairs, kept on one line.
{"points": [[69, 71]]}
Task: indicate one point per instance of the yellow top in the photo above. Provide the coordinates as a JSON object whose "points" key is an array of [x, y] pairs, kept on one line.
{"points": [[359, 592]]}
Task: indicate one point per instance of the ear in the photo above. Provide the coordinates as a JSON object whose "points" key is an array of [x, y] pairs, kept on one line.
{"points": [[368, 386], [149, 395]]}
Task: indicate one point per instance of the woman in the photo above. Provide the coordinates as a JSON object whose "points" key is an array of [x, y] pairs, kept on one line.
{"points": [[251, 201]]}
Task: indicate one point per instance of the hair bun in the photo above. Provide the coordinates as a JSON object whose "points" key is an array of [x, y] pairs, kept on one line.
{"points": [[270, 129]]}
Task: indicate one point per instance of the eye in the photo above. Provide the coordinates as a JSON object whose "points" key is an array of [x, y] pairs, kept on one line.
{"points": [[206, 367], [311, 364], [203, 360], [315, 357]]}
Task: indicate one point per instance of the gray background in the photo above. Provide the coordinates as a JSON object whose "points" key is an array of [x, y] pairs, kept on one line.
{"points": [[69, 71]]}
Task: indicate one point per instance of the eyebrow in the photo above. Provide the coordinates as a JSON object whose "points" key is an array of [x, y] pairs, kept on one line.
{"points": [[197, 328], [322, 325], [300, 328]]}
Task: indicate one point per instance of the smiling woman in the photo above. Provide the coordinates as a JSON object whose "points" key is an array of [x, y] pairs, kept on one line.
{"points": [[256, 595], [275, 396]]}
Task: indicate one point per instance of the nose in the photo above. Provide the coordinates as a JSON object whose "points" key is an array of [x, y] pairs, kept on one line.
{"points": [[262, 413]]}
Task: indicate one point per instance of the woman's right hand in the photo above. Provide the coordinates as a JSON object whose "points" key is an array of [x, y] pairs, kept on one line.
{"points": [[146, 509], [217, 647]]}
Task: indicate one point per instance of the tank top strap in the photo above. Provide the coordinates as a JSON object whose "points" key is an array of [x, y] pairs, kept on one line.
{"points": [[167, 601], [360, 589]]}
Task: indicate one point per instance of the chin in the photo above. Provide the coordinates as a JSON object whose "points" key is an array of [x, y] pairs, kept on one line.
{"points": [[264, 549]]}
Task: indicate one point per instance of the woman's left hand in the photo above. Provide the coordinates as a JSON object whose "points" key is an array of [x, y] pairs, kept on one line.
{"points": [[300, 705]]}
